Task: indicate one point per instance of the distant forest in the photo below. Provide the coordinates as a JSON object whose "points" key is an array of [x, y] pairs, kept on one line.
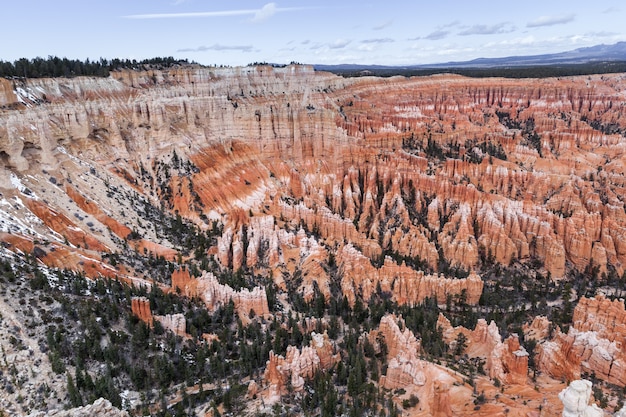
{"points": [[531, 71], [54, 66]]}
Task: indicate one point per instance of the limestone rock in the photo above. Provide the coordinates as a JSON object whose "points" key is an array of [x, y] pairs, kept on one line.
{"points": [[342, 165], [214, 294], [429, 382], [507, 361], [406, 285], [441, 400], [175, 323], [99, 408], [539, 329], [575, 399], [7, 95], [140, 307], [298, 365], [592, 345]]}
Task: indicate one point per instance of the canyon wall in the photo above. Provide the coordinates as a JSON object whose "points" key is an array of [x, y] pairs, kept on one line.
{"points": [[407, 188], [428, 169]]}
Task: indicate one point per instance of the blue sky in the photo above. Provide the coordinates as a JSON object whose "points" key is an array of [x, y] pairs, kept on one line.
{"points": [[238, 32]]}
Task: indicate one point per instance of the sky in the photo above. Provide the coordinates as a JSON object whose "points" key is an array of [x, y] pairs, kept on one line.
{"points": [[239, 32]]}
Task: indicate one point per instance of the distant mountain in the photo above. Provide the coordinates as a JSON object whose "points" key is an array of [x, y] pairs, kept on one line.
{"points": [[598, 53]]}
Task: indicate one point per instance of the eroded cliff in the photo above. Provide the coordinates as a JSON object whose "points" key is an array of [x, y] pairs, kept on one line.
{"points": [[285, 189]]}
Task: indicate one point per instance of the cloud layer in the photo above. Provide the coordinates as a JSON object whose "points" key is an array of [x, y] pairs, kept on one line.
{"points": [[485, 29], [551, 20], [258, 15], [218, 47]]}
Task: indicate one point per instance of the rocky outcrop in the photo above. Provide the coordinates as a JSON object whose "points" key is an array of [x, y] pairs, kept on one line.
{"points": [[175, 323], [369, 181], [277, 250], [99, 408], [62, 225], [7, 95], [214, 294], [441, 401], [575, 399], [507, 361], [467, 167], [429, 382], [404, 368], [406, 285], [140, 306], [298, 365], [593, 343], [538, 330]]}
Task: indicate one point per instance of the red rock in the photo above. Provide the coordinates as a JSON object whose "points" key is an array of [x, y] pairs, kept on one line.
{"points": [[140, 307], [429, 382], [407, 286], [64, 226], [592, 345], [298, 365], [538, 330], [214, 294], [508, 361], [441, 404], [7, 96]]}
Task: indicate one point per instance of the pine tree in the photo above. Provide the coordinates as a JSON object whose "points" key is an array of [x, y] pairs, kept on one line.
{"points": [[72, 392]]}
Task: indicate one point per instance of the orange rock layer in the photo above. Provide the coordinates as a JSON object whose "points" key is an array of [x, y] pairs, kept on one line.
{"points": [[407, 286], [593, 345], [214, 294], [507, 361], [298, 365]]}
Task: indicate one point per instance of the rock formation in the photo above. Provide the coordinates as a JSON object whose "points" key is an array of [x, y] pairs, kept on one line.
{"points": [[594, 344], [173, 322], [482, 190], [297, 365], [99, 408], [273, 248], [141, 308], [395, 185], [441, 401], [431, 383], [368, 194], [214, 294], [406, 285], [576, 398], [538, 330], [507, 361]]}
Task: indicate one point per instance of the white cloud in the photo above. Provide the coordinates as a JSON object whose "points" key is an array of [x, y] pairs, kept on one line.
{"points": [[258, 15], [383, 25], [218, 47], [486, 29], [551, 20], [601, 34], [339, 43], [265, 12], [611, 10], [378, 40], [437, 35], [526, 40]]}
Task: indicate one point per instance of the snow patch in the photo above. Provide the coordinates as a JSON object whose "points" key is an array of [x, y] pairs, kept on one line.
{"points": [[17, 184]]}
